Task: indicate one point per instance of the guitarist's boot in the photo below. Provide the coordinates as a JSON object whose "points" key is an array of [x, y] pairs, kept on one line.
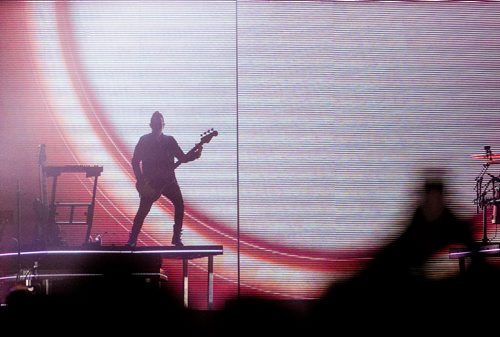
{"points": [[176, 238], [132, 241]]}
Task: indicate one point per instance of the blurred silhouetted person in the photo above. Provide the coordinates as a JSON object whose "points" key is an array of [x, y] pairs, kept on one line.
{"points": [[433, 226], [393, 286]]}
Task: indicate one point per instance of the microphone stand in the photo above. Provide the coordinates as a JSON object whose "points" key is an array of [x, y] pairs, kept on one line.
{"points": [[480, 199], [18, 239]]}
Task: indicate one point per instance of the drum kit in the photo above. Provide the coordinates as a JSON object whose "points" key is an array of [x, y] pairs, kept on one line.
{"points": [[488, 190]]}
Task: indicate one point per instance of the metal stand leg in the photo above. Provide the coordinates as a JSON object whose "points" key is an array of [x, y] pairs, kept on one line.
{"points": [[90, 212], [185, 282], [485, 229], [46, 285], [210, 295], [461, 265]]}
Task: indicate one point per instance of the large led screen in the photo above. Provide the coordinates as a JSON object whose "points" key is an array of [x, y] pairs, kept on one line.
{"points": [[327, 113]]}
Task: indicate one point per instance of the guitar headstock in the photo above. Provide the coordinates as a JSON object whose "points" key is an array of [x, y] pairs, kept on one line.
{"points": [[207, 136]]}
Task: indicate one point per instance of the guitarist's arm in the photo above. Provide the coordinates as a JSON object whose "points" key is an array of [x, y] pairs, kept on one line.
{"points": [[193, 154], [136, 161]]}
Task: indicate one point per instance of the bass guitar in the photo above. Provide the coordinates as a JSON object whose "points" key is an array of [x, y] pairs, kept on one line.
{"points": [[147, 190]]}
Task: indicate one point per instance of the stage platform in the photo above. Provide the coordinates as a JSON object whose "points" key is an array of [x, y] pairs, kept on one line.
{"points": [[106, 261], [486, 249]]}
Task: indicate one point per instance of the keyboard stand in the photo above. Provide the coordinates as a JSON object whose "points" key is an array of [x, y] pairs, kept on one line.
{"points": [[53, 229]]}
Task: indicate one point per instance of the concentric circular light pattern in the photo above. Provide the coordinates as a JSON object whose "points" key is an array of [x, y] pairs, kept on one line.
{"points": [[326, 114]]}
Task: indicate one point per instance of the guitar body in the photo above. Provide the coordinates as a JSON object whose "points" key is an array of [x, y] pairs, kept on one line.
{"points": [[148, 191]]}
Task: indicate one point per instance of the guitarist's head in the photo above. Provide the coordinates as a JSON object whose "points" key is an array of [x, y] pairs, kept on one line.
{"points": [[157, 123]]}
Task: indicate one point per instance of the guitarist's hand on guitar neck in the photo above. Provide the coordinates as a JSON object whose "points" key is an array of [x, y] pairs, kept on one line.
{"points": [[195, 152]]}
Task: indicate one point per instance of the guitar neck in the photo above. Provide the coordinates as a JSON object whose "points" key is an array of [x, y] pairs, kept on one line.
{"points": [[205, 138]]}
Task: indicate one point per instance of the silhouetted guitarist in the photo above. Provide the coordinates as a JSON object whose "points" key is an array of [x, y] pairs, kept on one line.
{"points": [[157, 152]]}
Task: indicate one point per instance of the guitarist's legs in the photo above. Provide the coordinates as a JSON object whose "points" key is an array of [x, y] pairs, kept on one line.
{"points": [[142, 212], [173, 193]]}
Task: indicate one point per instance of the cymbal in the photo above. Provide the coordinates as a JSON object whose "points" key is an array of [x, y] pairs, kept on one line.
{"points": [[485, 156]]}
